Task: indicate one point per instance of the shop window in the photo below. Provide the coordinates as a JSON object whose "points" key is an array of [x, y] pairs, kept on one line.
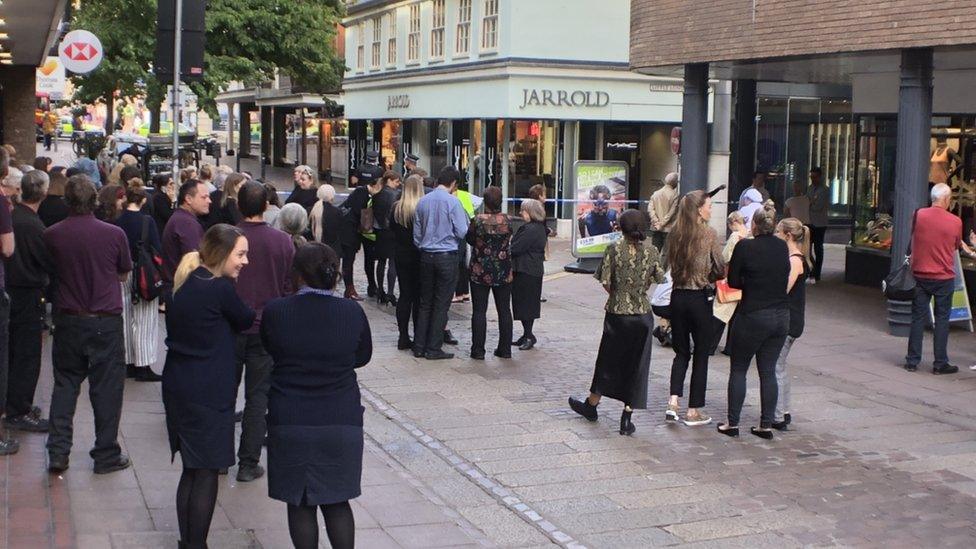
{"points": [[377, 39], [532, 157], [489, 26], [440, 133], [391, 42], [437, 31], [463, 38], [413, 39], [361, 47]]}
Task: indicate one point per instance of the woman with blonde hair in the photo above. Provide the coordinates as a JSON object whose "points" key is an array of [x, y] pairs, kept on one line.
{"points": [[528, 268], [797, 237], [203, 316], [696, 263], [406, 258], [325, 219], [305, 189], [723, 311]]}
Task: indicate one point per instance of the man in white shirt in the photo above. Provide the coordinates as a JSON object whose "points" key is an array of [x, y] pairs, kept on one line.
{"points": [[819, 196], [759, 184], [798, 205]]}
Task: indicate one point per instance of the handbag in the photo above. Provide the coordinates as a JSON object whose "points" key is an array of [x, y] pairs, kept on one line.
{"points": [[899, 285], [725, 293], [147, 279]]}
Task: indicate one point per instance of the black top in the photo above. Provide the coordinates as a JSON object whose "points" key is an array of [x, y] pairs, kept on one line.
{"points": [[529, 249], [798, 300], [404, 250], [52, 210], [317, 341], [162, 209], [383, 207], [332, 226], [306, 197], [228, 213], [132, 222], [31, 266], [760, 267]]}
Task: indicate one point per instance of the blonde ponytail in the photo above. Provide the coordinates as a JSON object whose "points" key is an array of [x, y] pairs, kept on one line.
{"points": [[799, 233], [189, 263], [805, 247]]}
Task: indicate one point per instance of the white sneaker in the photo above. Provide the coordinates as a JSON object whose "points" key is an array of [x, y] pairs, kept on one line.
{"points": [[812, 281], [973, 367]]}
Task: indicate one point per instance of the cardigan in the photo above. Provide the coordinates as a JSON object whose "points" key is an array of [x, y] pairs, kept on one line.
{"points": [[529, 249]]}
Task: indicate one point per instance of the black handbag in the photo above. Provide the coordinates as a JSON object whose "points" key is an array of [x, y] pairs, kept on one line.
{"points": [[899, 285]]}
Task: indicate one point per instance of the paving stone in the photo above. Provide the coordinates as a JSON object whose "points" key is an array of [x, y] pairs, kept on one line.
{"points": [[502, 526]]}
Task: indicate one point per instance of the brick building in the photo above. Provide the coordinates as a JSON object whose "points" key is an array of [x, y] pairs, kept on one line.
{"points": [[909, 69]]}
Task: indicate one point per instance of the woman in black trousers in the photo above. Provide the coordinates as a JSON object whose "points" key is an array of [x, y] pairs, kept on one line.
{"points": [[761, 268], [696, 263], [490, 237], [315, 416], [350, 237], [406, 257], [203, 316], [379, 244], [528, 265]]}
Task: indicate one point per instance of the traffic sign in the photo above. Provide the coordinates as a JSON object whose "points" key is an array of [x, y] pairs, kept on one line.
{"points": [[80, 51]]}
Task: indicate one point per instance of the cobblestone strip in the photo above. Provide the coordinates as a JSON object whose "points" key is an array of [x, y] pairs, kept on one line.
{"points": [[499, 493]]}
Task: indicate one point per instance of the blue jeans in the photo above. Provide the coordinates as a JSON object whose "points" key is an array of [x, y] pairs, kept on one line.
{"points": [[925, 290]]}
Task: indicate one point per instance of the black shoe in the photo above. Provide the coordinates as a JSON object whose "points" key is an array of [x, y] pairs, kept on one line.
{"points": [[449, 338], [122, 462], [584, 408], [146, 374], [247, 473], [404, 344], [911, 367], [370, 291], [728, 431], [392, 299], [9, 447], [419, 353], [438, 355], [27, 422], [529, 344], [502, 354], [781, 425], [57, 464], [222, 471], [131, 372], [476, 355], [658, 334], [518, 342], [765, 434], [381, 298], [35, 411], [787, 418], [239, 416], [947, 369], [626, 426]]}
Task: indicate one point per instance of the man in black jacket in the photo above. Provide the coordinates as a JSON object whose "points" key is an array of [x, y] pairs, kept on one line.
{"points": [[29, 272]]}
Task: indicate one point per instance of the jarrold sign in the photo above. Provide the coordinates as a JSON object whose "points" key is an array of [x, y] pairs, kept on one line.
{"points": [[564, 98], [397, 102]]}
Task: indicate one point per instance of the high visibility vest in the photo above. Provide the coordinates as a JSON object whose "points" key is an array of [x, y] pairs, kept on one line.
{"points": [[466, 203]]}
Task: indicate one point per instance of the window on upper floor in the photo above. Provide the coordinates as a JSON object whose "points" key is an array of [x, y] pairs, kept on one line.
{"points": [[391, 42], [489, 26], [360, 46], [377, 39], [413, 38], [463, 36], [437, 31]]}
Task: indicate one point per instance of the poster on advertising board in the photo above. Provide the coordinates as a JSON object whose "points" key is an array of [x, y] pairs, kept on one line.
{"points": [[601, 196], [50, 79], [959, 311]]}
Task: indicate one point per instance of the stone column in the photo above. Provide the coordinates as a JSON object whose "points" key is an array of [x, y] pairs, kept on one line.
{"points": [[914, 135], [694, 129], [743, 160]]}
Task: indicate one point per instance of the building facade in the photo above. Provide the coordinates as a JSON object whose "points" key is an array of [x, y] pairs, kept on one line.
{"points": [[910, 68], [510, 92]]}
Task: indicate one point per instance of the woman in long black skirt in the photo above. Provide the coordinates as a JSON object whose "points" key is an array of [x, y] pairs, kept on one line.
{"points": [[528, 268], [627, 272]]}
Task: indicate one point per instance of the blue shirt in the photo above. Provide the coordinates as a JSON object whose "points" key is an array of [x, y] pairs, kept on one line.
{"points": [[440, 223]]}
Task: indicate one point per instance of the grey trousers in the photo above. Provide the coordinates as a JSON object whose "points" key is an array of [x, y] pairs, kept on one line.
{"points": [[783, 380]]}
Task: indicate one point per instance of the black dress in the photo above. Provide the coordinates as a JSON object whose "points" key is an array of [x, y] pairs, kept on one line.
{"points": [[315, 418], [227, 213], [382, 208], [306, 197], [528, 266], [200, 375]]}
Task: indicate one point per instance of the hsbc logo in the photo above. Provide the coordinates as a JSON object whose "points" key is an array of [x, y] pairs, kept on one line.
{"points": [[80, 51]]}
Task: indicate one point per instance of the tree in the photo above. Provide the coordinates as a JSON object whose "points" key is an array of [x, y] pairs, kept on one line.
{"points": [[247, 41]]}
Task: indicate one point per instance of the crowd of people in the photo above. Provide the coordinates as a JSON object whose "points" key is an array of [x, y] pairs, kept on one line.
{"points": [[250, 292]]}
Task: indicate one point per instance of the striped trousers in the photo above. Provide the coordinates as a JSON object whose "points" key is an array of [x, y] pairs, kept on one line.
{"points": [[141, 328]]}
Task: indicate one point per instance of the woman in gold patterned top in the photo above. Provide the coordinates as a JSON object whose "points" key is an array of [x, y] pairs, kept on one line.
{"points": [[627, 272]]}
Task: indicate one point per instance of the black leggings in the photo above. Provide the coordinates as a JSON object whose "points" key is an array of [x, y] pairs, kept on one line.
{"points": [[691, 320], [348, 260], [391, 277], [196, 497], [479, 318], [527, 327], [303, 525]]}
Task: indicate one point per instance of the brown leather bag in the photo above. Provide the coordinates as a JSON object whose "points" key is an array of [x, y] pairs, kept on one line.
{"points": [[366, 218]]}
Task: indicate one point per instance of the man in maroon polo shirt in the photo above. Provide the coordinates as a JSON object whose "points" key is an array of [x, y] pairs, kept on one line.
{"points": [[266, 277], [184, 231], [90, 257], [8, 445]]}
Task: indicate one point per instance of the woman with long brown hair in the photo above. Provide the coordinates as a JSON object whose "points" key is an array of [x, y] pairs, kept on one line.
{"points": [[696, 263]]}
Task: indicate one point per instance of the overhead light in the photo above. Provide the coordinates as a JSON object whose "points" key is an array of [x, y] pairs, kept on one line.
{"points": [[5, 55], [4, 36], [2, 21], [6, 62]]}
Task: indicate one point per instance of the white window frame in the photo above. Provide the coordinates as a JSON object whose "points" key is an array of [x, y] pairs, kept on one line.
{"points": [[391, 41], [413, 36], [376, 57], [489, 26], [437, 32], [462, 36], [361, 46]]}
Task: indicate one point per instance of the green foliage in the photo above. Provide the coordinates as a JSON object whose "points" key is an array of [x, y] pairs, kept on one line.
{"points": [[246, 41]]}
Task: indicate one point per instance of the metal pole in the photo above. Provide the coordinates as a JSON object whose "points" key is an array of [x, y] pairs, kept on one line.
{"points": [[177, 67]]}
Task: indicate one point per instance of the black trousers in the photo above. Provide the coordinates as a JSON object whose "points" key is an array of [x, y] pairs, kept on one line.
{"points": [[26, 329], [408, 304], [48, 138], [817, 236], [254, 365], [348, 260], [759, 334], [438, 279], [691, 320], [369, 264], [4, 346], [463, 279], [479, 320], [92, 348]]}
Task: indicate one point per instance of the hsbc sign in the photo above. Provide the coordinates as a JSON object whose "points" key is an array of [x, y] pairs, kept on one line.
{"points": [[80, 51]]}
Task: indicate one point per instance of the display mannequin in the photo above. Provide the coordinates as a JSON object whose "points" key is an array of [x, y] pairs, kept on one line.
{"points": [[941, 168]]}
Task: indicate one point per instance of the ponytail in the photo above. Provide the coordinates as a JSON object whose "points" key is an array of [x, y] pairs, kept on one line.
{"points": [[805, 247], [189, 263], [799, 233]]}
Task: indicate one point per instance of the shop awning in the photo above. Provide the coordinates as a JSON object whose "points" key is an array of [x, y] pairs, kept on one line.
{"points": [[32, 27]]}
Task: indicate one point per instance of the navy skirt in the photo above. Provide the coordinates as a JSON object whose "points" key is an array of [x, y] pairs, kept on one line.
{"points": [[314, 464]]}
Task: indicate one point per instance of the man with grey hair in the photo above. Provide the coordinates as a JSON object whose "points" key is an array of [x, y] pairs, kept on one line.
{"points": [[936, 238], [10, 185], [662, 208], [29, 271]]}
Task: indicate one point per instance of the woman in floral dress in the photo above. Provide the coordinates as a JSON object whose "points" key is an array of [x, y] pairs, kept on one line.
{"points": [[490, 236]]}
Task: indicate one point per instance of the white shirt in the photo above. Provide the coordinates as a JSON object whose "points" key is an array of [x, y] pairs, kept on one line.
{"points": [[799, 207]]}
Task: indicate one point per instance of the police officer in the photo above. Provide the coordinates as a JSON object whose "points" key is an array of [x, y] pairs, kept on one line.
{"points": [[368, 172], [410, 163]]}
